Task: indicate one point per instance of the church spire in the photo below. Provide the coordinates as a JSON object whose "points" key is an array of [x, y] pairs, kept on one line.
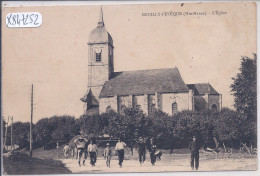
{"points": [[100, 21]]}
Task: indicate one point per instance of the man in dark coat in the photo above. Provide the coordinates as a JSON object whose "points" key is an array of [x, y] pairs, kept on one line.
{"points": [[194, 149], [141, 150], [152, 149]]}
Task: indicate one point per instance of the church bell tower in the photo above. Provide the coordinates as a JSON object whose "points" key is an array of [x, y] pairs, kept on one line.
{"points": [[100, 63]]}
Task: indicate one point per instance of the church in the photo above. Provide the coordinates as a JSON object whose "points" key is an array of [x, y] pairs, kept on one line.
{"points": [[145, 90]]}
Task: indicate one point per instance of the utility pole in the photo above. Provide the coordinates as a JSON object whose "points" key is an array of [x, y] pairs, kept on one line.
{"points": [[6, 131], [11, 133], [31, 122]]}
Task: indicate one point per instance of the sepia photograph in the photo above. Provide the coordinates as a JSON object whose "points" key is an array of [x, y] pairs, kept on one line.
{"points": [[152, 87]]}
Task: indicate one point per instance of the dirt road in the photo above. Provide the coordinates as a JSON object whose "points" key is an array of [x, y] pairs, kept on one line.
{"points": [[162, 166]]}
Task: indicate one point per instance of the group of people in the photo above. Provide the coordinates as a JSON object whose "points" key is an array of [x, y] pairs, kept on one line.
{"points": [[152, 148], [142, 146], [82, 148]]}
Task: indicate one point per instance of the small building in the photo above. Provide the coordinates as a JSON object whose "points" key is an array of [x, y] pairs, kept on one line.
{"points": [[146, 90]]}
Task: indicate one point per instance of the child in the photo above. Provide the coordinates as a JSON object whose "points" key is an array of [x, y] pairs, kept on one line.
{"points": [[107, 155]]}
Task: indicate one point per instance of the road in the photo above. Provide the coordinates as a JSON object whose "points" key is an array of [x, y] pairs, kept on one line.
{"points": [[161, 166]]}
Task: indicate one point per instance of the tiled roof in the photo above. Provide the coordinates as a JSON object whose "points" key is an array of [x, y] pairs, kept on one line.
{"points": [[144, 82], [202, 88]]}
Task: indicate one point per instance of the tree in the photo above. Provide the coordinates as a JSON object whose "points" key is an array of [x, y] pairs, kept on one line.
{"points": [[43, 131], [227, 127], [90, 124], [244, 88], [55, 128], [160, 126], [20, 134], [119, 126]]}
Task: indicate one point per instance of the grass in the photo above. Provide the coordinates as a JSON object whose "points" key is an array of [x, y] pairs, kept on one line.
{"points": [[23, 164]]}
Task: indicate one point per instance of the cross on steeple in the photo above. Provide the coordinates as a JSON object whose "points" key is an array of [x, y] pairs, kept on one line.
{"points": [[101, 21]]}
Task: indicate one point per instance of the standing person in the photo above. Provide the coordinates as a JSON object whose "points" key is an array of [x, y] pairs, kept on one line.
{"points": [[81, 144], [152, 154], [66, 150], [141, 150], [108, 154], [92, 149], [194, 149], [152, 150], [120, 146]]}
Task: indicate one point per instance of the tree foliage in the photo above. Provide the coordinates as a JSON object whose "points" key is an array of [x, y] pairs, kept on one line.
{"points": [[244, 88], [56, 128], [20, 134]]}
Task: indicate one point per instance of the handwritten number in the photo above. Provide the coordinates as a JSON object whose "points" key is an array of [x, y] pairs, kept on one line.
{"points": [[31, 20], [23, 19], [36, 19]]}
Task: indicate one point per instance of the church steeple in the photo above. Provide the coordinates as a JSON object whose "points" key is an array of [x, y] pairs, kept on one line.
{"points": [[101, 21], [100, 62]]}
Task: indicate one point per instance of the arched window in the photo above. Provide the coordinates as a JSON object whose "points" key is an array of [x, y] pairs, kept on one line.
{"points": [[98, 52], [174, 108], [214, 107], [108, 109], [152, 108], [98, 57]]}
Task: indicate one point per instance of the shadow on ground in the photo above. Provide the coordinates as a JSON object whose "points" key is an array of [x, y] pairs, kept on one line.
{"points": [[22, 164]]}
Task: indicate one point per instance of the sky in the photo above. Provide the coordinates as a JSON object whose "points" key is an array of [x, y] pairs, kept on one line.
{"points": [[53, 57]]}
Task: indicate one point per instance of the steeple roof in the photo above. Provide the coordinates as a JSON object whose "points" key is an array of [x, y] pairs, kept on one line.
{"points": [[90, 99], [101, 21], [100, 34]]}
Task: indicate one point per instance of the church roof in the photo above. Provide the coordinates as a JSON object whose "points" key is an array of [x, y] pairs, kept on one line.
{"points": [[90, 98], [100, 34], [144, 82], [202, 88]]}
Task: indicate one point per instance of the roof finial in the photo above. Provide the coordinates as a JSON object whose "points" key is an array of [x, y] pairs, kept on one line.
{"points": [[100, 21]]}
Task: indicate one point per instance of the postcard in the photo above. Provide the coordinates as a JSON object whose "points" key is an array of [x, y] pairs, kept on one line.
{"points": [[128, 87]]}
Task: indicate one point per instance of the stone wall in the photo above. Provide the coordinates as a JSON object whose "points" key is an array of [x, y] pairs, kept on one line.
{"points": [[98, 72], [214, 99], [182, 100], [161, 101], [104, 103]]}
